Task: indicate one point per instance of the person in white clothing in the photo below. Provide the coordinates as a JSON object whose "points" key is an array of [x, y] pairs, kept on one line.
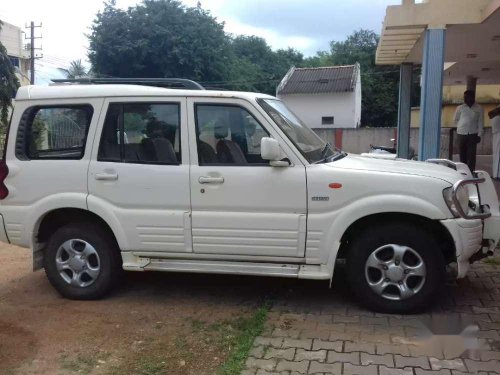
{"points": [[469, 122], [494, 115]]}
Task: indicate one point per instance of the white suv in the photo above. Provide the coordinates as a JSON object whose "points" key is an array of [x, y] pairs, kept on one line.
{"points": [[97, 178]]}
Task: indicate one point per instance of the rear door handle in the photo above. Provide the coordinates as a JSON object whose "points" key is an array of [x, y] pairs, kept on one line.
{"points": [[106, 176], [210, 180]]}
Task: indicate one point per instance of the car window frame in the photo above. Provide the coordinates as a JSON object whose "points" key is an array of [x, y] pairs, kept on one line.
{"points": [[26, 124], [197, 132], [122, 132]]}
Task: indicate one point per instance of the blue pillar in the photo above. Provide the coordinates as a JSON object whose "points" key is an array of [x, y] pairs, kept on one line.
{"points": [[404, 110], [431, 94]]}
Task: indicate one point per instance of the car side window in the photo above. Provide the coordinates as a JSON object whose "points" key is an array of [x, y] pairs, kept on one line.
{"points": [[228, 135], [54, 132], [141, 133]]}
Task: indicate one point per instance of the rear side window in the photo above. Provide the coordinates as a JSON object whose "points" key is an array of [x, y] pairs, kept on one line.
{"points": [[54, 132], [143, 133]]}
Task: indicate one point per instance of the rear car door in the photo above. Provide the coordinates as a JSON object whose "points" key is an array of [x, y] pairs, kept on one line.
{"points": [[139, 173]]}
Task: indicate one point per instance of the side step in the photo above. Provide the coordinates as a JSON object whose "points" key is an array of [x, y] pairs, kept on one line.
{"points": [[224, 267]]}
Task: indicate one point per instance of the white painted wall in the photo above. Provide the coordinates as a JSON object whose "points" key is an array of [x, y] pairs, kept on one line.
{"points": [[12, 38]]}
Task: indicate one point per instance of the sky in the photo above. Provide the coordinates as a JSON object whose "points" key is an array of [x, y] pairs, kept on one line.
{"points": [[307, 25]]}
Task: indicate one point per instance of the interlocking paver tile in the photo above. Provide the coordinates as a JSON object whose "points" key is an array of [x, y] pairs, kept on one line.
{"points": [[487, 355], [395, 371], [366, 347], [280, 353], [264, 364], [300, 367], [402, 361], [376, 359], [310, 355], [268, 341], [419, 371], [329, 368], [314, 334], [328, 345], [343, 357], [350, 369], [297, 343], [478, 366], [392, 349], [257, 351], [451, 364]]}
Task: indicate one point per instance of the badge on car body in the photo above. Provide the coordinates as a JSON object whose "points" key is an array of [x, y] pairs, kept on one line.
{"points": [[320, 199]]}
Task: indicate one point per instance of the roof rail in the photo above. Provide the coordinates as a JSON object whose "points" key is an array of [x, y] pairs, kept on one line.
{"points": [[177, 83]]}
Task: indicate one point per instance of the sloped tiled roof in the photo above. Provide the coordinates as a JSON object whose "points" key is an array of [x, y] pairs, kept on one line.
{"points": [[319, 80]]}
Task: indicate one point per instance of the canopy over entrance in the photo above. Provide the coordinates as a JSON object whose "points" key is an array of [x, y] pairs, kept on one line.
{"points": [[457, 42]]}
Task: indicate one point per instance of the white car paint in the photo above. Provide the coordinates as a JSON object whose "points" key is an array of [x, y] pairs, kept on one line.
{"points": [[261, 220]]}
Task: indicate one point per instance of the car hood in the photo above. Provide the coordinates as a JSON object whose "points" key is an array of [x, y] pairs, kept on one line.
{"points": [[400, 166]]}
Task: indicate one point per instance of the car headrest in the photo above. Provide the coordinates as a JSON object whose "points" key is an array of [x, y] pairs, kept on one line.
{"points": [[221, 131]]}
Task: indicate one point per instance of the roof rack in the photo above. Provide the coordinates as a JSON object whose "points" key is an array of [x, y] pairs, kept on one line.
{"points": [[177, 83]]}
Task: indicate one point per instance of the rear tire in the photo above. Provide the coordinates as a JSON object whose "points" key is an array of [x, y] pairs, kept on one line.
{"points": [[82, 261], [395, 268]]}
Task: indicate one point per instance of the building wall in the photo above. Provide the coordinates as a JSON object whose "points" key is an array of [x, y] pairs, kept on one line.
{"points": [[310, 108], [487, 96], [12, 38]]}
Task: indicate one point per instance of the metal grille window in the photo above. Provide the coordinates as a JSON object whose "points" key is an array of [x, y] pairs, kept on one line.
{"points": [[57, 132]]}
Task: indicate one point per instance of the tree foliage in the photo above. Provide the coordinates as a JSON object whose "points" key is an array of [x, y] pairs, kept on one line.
{"points": [[379, 84], [158, 39], [8, 85], [76, 70]]}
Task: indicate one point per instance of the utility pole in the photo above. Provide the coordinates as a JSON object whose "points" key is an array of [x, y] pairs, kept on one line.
{"points": [[32, 50]]}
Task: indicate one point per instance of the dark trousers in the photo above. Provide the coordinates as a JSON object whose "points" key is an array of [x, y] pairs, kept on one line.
{"points": [[467, 145]]}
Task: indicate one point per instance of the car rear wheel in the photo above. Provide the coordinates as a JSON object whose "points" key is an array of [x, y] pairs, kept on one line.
{"points": [[395, 267], [82, 261]]}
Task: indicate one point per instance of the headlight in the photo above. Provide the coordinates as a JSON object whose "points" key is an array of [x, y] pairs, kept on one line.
{"points": [[462, 197]]}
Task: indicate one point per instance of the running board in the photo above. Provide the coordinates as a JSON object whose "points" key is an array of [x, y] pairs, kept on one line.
{"points": [[223, 267]]}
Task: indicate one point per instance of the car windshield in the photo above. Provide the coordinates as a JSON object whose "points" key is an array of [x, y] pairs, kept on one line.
{"points": [[315, 149]]}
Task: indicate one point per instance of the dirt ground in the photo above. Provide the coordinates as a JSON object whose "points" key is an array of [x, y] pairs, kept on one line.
{"points": [[154, 323]]}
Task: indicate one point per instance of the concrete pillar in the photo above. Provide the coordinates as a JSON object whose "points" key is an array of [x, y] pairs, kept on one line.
{"points": [[404, 110], [432, 93]]}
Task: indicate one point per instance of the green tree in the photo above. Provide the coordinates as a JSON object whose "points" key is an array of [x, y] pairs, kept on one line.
{"points": [[257, 67], [379, 84], [76, 69], [8, 86], [159, 38]]}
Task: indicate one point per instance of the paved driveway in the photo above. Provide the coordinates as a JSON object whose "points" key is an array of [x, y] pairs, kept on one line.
{"points": [[310, 334]]}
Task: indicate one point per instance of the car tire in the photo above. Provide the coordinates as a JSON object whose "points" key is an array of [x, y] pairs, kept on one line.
{"points": [[82, 261], [395, 268]]}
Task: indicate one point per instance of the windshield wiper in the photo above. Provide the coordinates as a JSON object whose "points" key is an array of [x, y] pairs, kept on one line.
{"points": [[323, 158]]}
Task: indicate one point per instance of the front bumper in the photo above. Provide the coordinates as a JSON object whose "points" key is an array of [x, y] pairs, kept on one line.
{"points": [[468, 238], [476, 235]]}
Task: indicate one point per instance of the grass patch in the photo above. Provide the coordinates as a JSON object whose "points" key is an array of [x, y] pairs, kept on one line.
{"points": [[493, 261], [82, 363], [246, 331]]}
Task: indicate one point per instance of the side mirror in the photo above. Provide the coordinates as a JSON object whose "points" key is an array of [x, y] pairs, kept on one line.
{"points": [[270, 150]]}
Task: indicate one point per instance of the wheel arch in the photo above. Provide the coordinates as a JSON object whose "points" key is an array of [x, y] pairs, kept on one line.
{"points": [[442, 235], [54, 219]]}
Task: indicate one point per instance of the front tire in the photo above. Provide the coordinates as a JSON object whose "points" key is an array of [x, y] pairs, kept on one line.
{"points": [[395, 267], [82, 261]]}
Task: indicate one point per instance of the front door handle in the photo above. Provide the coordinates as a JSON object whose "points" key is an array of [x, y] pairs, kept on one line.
{"points": [[106, 176], [210, 180]]}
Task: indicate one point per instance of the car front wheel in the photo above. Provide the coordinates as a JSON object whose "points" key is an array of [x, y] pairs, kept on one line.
{"points": [[395, 267]]}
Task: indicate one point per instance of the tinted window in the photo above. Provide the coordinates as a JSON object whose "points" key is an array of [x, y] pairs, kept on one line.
{"points": [[228, 135], [141, 133], [57, 132]]}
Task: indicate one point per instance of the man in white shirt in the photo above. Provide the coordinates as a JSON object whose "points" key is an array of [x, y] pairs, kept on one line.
{"points": [[494, 115], [469, 122]]}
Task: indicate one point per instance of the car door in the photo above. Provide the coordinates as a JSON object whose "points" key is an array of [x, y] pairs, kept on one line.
{"points": [[139, 173], [240, 204]]}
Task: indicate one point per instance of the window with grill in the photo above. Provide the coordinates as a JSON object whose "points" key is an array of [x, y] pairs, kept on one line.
{"points": [[327, 120]]}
